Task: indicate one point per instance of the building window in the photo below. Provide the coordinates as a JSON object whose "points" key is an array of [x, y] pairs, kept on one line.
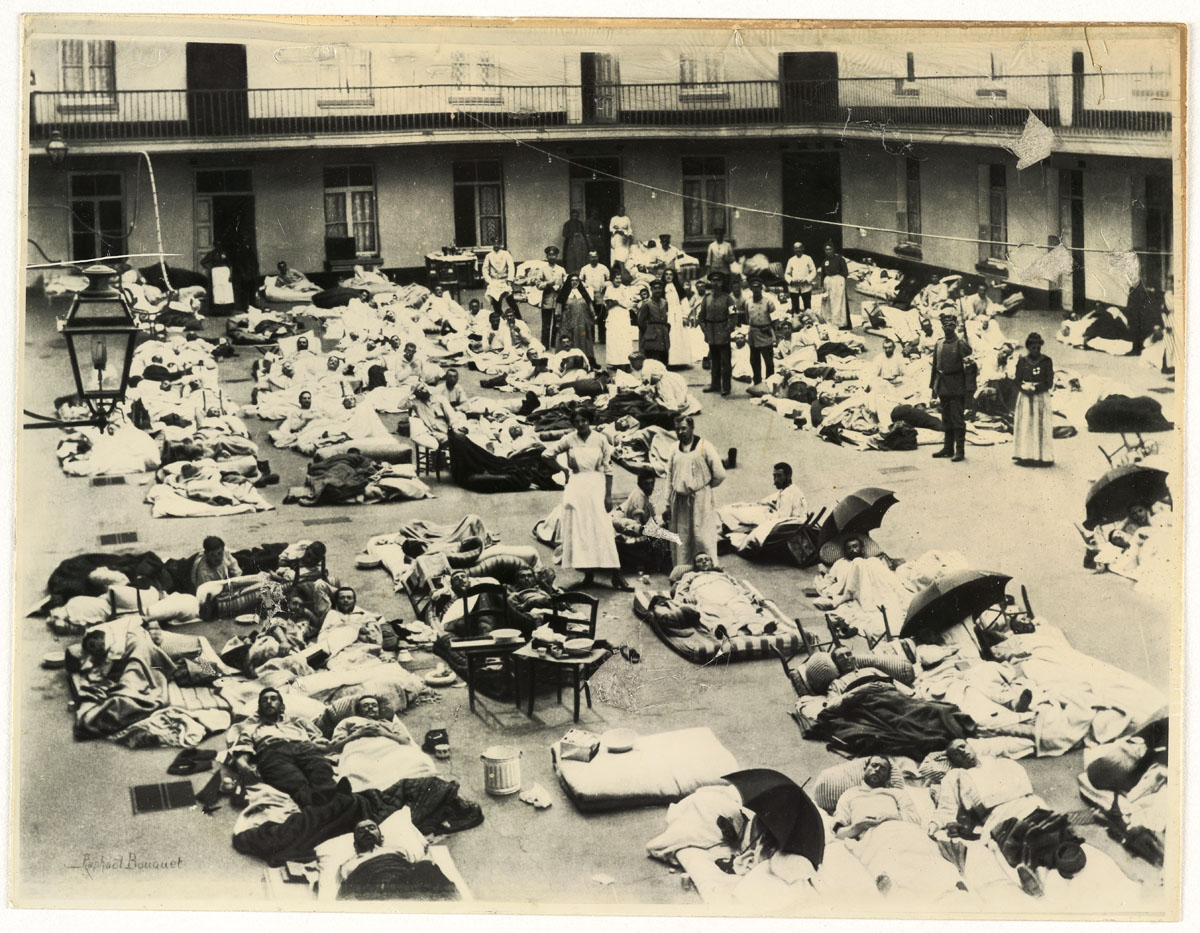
{"points": [[97, 216], [87, 67], [475, 75], [1157, 262], [993, 220], [478, 203], [909, 218], [346, 78], [704, 186], [350, 208], [702, 77]]}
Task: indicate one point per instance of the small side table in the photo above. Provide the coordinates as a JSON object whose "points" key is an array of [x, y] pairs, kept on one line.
{"points": [[479, 649], [576, 663]]}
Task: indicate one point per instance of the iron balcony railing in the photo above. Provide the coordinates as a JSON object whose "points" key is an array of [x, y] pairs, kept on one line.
{"points": [[1114, 105]]}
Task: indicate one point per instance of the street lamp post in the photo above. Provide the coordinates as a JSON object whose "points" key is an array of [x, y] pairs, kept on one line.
{"points": [[101, 334]]}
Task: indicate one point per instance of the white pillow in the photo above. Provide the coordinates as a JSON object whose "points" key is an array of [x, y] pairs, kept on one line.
{"points": [[399, 834]]}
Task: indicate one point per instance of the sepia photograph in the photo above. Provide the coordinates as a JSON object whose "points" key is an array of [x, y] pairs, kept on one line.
{"points": [[578, 466]]}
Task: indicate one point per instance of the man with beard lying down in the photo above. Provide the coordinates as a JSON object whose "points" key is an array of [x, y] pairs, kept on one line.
{"points": [[284, 751], [388, 865], [882, 827], [857, 585], [727, 606]]}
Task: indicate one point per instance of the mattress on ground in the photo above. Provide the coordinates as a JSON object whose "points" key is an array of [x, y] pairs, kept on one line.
{"points": [[700, 646], [196, 699], [660, 769], [385, 448]]}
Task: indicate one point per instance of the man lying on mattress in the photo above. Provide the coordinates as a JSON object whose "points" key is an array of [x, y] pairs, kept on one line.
{"points": [[727, 606], [122, 678], [292, 279], [284, 751], [395, 865], [747, 524], [856, 586], [884, 829]]}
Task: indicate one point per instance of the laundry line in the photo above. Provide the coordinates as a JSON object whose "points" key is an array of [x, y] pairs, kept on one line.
{"points": [[813, 220]]}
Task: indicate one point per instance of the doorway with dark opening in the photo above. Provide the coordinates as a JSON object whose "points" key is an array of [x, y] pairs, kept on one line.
{"points": [[596, 196], [217, 85], [812, 188], [224, 200]]}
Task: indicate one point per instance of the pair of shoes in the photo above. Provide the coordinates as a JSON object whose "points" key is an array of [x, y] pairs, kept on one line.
{"points": [[632, 655], [621, 585]]}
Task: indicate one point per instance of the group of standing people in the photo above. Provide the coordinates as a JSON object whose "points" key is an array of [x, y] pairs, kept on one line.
{"points": [[588, 534]]}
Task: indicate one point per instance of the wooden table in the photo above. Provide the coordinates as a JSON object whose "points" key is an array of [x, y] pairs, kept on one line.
{"points": [[477, 649], [529, 655]]}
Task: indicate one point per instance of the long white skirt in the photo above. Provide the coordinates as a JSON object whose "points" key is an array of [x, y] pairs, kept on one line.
{"points": [[1033, 427], [587, 529], [680, 353], [839, 308], [620, 336]]}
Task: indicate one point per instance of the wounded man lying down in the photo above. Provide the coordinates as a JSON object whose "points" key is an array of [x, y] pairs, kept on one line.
{"points": [[725, 604]]}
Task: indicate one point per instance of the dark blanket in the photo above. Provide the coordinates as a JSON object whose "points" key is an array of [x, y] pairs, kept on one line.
{"points": [[340, 478], [917, 417], [337, 297], [1105, 326], [1038, 840], [883, 721], [180, 278], [70, 578], [1120, 413], [834, 348], [479, 470], [391, 876], [435, 806]]}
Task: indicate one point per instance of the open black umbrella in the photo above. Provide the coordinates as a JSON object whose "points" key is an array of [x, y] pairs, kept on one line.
{"points": [[786, 811], [951, 598], [860, 511], [1113, 493]]}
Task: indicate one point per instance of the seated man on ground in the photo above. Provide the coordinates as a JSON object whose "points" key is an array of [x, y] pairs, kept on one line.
{"points": [[283, 751], [290, 278], [347, 624], [747, 524], [857, 585], [629, 520]]}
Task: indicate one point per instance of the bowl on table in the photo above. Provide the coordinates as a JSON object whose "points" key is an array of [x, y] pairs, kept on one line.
{"points": [[248, 619], [579, 647], [506, 636]]}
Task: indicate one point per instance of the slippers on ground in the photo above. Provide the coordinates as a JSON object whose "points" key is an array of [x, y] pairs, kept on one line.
{"points": [[632, 655]]}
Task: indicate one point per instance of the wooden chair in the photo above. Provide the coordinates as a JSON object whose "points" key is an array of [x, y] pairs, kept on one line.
{"points": [[574, 615], [431, 461], [484, 604]]}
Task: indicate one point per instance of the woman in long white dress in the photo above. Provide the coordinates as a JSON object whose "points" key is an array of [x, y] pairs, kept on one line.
{"points": [[621, 332], [589, 542], [680, 352]]}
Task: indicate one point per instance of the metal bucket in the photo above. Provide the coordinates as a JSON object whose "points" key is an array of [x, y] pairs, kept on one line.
{"points": [[501, 770]]}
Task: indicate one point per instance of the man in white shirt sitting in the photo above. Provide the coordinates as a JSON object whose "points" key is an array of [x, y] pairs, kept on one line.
{"points": [[669, 254], [747, 524], [800, 274]]}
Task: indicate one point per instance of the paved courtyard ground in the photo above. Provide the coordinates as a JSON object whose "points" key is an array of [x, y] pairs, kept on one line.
{"points": [[72, 798]]}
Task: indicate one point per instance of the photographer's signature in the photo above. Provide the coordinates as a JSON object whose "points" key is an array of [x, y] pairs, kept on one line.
{"points": [[95, 865]]}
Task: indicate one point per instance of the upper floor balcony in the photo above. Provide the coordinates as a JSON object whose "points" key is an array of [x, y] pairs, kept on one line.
{"points": [[1133, 108]]}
